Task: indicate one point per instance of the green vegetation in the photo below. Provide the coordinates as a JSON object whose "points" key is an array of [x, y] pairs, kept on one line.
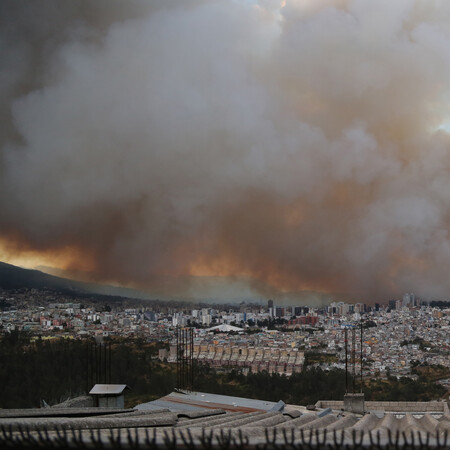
{"points": [[53, 370], [44, 370], [404, 389], [319, 358], [301, 388], [422, 343], [314, 384], [430, 373]]}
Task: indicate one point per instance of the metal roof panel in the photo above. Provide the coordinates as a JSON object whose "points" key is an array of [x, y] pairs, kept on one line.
{"points": [[105, 389]]}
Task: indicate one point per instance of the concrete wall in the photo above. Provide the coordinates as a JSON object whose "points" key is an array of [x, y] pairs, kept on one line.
{"points": [[389, 406], [354, 403], [117, 401]]}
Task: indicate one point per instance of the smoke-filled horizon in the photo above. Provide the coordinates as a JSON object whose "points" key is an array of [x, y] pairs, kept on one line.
{"points": [[289, 147]]}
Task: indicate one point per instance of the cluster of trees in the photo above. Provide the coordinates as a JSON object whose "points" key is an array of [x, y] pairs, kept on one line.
{"points": [[315, 384], [301, 388], [57, 369], [314, 357], [422, 343], [403, 389], [30, 373], [54, 370]]}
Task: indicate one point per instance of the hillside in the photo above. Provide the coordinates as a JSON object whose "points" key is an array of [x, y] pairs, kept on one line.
{"points": [[13, 277]]}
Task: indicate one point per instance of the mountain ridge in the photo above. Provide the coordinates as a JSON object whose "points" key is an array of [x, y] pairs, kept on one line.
{"points": [[14, 277]]}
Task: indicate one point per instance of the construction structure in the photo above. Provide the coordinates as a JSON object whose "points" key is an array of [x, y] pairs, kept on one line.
{"points": [[98, 364], [185, 358], [353, 401]]}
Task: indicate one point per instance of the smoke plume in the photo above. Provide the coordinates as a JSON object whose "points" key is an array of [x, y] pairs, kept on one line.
{"points": [[295, 146]]}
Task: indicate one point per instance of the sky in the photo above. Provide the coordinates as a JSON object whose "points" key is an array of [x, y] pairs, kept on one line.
{"points": [[291, 149]]}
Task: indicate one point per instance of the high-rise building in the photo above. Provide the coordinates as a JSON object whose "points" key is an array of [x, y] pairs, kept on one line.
{"points": [[405, 300], [409, 300]]}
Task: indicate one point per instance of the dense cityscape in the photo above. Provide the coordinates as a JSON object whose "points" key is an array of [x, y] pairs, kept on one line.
{"points": [[397, 336]]}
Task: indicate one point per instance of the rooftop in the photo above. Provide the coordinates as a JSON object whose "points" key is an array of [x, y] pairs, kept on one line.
{"points": [[177, 401], [108, 389], [238, 422]]}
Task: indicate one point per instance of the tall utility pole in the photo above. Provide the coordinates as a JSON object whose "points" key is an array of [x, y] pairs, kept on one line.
{"points": [[346, 359], [353, 359], [185, 359], [353, 402], [351, 354], [361, 356]]}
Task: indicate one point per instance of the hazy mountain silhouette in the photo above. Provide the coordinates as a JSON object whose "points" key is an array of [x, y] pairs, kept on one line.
{"points": [[13, 277]]}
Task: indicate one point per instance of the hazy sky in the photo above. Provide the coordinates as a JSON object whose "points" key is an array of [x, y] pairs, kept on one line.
{"points": [[289, 146]]}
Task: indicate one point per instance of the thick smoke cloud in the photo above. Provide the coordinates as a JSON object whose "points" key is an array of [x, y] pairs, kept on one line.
{"points": [[299, 146]]}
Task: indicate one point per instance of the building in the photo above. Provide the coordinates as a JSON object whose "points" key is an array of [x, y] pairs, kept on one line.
{"points": [[109, 395]]}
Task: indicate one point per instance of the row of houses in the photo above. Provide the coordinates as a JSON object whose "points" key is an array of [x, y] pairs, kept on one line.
{"points": [[273, 360]]}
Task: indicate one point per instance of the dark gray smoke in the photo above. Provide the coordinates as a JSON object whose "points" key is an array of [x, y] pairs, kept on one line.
{"points": [[288, 146]]}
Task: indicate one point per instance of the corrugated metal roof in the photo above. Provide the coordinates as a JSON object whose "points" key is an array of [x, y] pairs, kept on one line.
{"points": [[61, 412], [254, 429], [170, 405], [105, 389], [198, 400], [191, 426]]}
